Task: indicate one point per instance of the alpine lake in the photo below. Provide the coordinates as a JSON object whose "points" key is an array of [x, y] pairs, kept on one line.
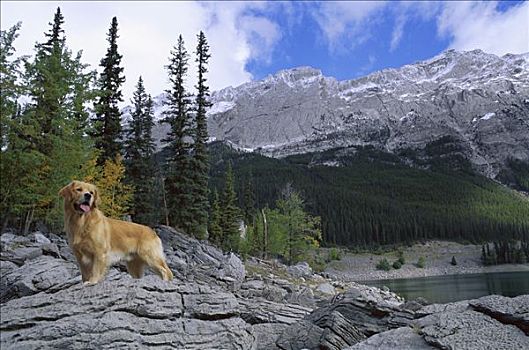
{"points": [[450, 288]]}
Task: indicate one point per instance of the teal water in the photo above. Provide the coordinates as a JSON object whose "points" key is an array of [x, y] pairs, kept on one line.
{"points": [[444, 289]]}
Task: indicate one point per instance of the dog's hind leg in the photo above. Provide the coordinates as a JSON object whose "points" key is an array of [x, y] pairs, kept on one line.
{"points": [[135, 267], [154, 257]]}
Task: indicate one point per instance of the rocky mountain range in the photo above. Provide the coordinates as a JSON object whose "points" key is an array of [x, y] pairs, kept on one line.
{"points": [[477, 101]]}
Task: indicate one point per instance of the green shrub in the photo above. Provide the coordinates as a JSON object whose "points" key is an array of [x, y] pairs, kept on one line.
{"points": [[401, 259], [421, 262], [384, 265], [397, 265], [335, 254], [317, 263]]}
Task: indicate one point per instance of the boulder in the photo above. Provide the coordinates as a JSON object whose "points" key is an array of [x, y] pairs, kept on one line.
{"points": [[470, 330], [400, 338], [123, 312], [301, 269], [513, 311], [326, 288], [37, 275]]}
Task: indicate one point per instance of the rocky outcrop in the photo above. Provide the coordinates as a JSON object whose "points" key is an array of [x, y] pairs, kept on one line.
{"points": [[470, 330], [513, 311], [214, 303]]}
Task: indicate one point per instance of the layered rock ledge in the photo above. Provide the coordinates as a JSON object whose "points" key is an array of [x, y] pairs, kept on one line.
{"points": [[215, 302]]}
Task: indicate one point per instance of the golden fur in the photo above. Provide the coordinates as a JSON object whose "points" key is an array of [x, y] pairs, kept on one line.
{"points": [[98, 242]]}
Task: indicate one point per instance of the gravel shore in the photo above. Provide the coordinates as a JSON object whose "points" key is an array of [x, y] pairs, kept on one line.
{"points": [[437, 254]]}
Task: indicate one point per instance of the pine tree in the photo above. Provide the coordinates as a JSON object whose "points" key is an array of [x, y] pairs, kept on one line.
{"points": [[47, 137], [107, 123], [249, 210], [303, 230], [214, 228], [139, 150], [230, 216], [200, 162], [178, 181]]}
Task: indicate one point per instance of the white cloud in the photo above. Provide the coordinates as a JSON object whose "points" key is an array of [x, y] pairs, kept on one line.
{"points": [[346, 24], [480, 25], [467, 24], [149, 30], [398, 31]]}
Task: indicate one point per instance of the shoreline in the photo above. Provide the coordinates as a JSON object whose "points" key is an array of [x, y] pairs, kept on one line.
{"points": [[438, 254], [486, 269]]}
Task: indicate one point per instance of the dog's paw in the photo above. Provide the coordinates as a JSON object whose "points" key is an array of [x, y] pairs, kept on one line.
{"points": [[89, 283]]}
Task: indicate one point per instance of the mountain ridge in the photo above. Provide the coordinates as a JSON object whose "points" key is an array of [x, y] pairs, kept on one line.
{"points": [[479, 100]]}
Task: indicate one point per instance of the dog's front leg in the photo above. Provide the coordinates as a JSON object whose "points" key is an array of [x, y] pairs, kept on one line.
{"points": [[85, 265], [99, 268]]}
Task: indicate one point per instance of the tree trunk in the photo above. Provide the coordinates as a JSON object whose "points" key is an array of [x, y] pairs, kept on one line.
{"points": [[265, 235], [166, 211], [5, 221], [29, 220]]}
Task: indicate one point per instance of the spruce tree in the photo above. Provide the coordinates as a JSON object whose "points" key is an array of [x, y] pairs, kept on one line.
{"points": [[107, 123], [178, 181], [47, 140], [214, 228], [139, 150], [230, 215], [200, 162], [249, 210]]}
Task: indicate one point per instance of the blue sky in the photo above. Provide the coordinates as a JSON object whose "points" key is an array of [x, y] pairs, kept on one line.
{"points": [[305, 44], [250, 40]]}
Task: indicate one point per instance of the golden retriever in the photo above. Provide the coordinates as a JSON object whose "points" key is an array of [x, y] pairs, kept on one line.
{"points": [[98, 242]]}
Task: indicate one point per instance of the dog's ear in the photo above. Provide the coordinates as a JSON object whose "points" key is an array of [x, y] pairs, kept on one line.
{"points": [[97, 198], [64, 192]]}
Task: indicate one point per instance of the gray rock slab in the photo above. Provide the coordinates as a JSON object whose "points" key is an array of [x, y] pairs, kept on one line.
{"points": [[470, 330], [400, 338]]}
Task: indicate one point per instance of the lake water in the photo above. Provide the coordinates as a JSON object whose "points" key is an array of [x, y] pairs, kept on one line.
{"points": [[444, 289]]}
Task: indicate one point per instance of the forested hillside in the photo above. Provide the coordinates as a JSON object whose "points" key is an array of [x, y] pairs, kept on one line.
{"points": [[374, 198]]}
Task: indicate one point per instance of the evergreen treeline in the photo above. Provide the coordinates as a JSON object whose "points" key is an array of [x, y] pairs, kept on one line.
{"points": [[52, 140], [505, 252], [373, 199]]}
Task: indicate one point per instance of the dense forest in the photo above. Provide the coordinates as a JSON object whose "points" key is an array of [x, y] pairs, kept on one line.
{"points": [[375, 199], [71, 127]]}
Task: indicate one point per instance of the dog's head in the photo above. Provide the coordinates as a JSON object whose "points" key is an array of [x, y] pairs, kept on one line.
{"points": [[80, 196]]}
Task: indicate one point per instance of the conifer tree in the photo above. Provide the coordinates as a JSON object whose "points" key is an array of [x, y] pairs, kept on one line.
{"points": [[107, 123], [200, 163], [139, 150], [214, 228], [230, 215], [249, 210], [178, 181], [51, 127]]}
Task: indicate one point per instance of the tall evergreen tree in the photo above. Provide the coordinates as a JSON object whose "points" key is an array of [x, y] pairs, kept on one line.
{"points": [[107, 123], [230, 215], [178, 181], [214, 228], [248, 206], [200, 163], [139, 150], [47, 142]]}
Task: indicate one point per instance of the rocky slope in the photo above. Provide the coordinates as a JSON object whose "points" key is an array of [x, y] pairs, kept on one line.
{"points": [[479, 100], [216, 303]]}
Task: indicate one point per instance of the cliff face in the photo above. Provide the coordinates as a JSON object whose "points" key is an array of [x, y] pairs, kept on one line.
{"points": [[479, 100]]}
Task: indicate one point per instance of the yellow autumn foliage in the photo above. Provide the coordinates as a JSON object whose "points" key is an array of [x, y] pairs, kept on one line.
{"points": [[115, 195]]}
